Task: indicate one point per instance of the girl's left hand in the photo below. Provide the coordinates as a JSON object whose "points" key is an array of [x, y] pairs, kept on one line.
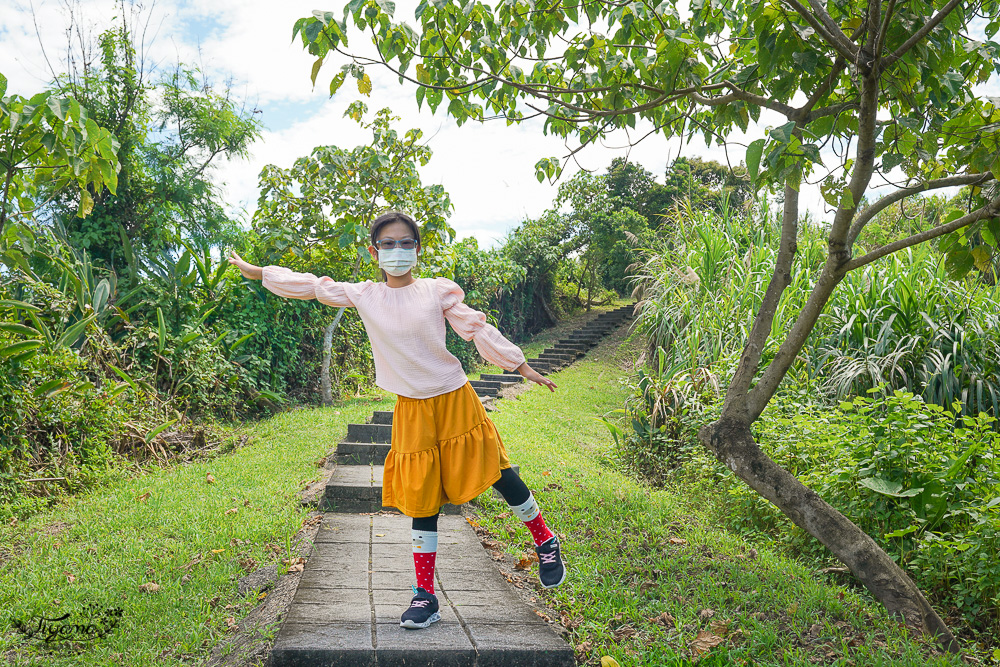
{"points": [[531, 374]]}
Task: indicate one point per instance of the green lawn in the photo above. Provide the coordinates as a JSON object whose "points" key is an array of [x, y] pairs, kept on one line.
{"points": [[635, 553]]}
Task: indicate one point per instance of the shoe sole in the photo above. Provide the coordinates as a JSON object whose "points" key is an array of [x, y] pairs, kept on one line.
{"points": [[413, 625], [560, 580]]}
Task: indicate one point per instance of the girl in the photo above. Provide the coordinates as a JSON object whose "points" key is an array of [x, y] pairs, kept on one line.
{"points": [[444, 447]]}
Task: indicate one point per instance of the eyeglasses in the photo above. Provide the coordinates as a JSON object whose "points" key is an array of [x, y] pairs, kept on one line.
{"points": [[389, 244]]}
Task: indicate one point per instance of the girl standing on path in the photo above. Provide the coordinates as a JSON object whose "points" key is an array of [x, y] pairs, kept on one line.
{"points": [[444, 447]]}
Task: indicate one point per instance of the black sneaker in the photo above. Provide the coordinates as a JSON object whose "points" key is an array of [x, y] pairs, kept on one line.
{"points": [[422, 612], [551, 568]]}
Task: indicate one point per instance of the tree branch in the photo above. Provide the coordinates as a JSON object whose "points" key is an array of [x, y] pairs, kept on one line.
{"points": [[736, 403], [836, 38], [888, 61], [885, 202], [991, 210]]}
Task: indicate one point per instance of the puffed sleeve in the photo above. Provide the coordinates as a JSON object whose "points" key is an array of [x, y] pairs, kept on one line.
{"points": [[472, 325], [290, 284]]}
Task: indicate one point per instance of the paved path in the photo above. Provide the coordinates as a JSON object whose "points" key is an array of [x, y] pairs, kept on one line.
{"points": [[357, 579], [346, 610]]}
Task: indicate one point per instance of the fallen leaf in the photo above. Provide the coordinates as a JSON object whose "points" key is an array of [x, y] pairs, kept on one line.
{"points": [[546, 473], [379, 534], [664, 619], [231, 510], [792, 608], [706, 613], [262, 595], [231, 622], [625, 632], [70, 577], [720, 628], [608, 661], [144, 497], [210, 478], [217, 551], [522, 564], [705, 642], [677, 540], [149, 587]]}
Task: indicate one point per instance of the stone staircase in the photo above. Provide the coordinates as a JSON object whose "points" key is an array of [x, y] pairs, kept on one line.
{"points": [[346, 610]]}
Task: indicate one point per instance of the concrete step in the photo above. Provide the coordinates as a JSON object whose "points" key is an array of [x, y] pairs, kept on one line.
{"points": [[358, 488], [362, 453], [557, 356], [504, 379], [369, 432], [487, 384], [486, 391], [356, 583], [381, 417], [570, 346]]}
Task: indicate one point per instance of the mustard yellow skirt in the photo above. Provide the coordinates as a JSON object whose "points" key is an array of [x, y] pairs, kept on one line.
{"points": [[444, 450]]}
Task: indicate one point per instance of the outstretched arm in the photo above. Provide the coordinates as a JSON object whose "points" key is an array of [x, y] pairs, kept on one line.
{"points": [[471, 324], [293, 285]]}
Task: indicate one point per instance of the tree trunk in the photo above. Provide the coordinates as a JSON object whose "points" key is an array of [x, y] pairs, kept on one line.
{"points": [[324, 373], [732, 443]]}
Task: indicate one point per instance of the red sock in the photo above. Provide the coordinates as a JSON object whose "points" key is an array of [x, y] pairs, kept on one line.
{"points": [[539, 531], [424, 565]]}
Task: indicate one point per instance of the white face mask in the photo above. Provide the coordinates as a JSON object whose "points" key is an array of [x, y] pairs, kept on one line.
{"points": [[397, 262]]}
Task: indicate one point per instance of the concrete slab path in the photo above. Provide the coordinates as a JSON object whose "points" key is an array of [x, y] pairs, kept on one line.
{"points": [[357, 584]]}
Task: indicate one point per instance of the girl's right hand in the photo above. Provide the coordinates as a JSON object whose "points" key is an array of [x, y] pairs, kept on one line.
{"points": [[249, 271]]}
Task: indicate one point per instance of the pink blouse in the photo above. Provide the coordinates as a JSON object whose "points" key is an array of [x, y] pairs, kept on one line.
{"points": [[406, 327]]}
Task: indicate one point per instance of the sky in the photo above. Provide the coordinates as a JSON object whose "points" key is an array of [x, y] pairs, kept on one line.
{"points": [[487, 168]]}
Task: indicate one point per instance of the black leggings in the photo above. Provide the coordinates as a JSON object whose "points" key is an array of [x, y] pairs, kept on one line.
{"points": [[510, 486]]}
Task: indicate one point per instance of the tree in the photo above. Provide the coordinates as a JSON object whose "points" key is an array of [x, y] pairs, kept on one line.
{"points": [[172, 126], [601, 225], [857, 90], [48, 144], [706, 183], [322, 207]]}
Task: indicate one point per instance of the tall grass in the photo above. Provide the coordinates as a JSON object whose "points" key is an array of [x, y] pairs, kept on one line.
{"points": [[901, 322]]}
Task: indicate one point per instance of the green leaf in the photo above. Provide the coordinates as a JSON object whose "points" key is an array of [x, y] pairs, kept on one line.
{"points": [[3, 85], [13, 303], [156, 431], [52, 387], [958, 262], [315, 70], [17, 348], [754, 151], [783, 133], [887, 488], [161, 331], [20, 329], [73, 333], [123, 375], [365, 85]]}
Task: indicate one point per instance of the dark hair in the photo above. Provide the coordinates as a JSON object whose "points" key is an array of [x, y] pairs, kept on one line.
{"points": [[394, 216], [390, 217]]}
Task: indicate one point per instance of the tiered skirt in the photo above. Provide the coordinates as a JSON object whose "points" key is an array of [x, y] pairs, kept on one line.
{"points": [[444, 450]]}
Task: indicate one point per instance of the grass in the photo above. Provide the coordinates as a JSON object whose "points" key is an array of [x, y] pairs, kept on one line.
{"points": [[636, 553], [97, 549]]}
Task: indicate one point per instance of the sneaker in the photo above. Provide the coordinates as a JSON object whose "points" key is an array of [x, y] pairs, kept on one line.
{"points": [[551, 568], [422, 612]]}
